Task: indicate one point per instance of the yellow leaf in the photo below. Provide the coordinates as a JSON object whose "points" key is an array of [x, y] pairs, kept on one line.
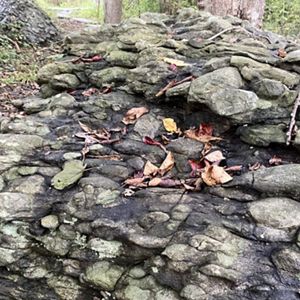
{"points": [[170, 125]]}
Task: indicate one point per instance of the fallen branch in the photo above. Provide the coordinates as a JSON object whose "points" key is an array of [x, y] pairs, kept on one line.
{"points": [[293, 120], [167, 87], [173, 83], [252, 34], [222, 32]]}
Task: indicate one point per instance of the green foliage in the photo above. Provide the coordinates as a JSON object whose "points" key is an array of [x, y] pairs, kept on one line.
{"points": [[282, 16], [17, 67]]}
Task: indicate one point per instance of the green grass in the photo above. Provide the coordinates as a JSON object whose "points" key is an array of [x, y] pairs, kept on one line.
{"points": [[18, 67]]}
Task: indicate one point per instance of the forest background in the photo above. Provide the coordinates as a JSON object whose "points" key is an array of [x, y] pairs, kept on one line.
{"points": [[281, 16]]}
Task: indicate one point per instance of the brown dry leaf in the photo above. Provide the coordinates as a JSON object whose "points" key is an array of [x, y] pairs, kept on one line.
{"points": [[203, 138], [150, 169], [234, 168], [214, 175], [167, 164], [102, 134], [154, 182], [133, 114], [138, 182], [214, 156], [164, 182], [170, 125], [85, 128]]}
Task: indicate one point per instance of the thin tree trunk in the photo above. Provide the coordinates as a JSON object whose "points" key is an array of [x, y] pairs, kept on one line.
{"points": [[113, 11], [251, 10]]}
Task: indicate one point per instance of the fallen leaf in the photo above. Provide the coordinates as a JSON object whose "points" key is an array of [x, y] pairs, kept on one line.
{"points": [[149, 141], [85, 128], [188, 187], [234, 168], [215, 156], [196, 167], [89, 140], [167, 164], [170, 125], [164, 182], [133, 114], [176, 62], [202, 134], [154, 182], [150, 169], [102, 134], [214, 175], [137, 182], [275, 161]]}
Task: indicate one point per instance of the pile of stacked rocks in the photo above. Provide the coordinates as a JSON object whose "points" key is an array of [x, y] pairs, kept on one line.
{"points": [[80, 234], [242, 74]]}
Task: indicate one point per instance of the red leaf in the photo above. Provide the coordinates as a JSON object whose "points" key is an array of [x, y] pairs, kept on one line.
{"points": [[149, 141], [205, 129], [202, 134], [196, 167]]}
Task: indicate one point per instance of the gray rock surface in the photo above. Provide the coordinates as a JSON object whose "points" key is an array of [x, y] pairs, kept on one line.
{"points": [[70, 226]]}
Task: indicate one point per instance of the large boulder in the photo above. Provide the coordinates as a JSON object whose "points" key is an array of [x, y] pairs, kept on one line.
{"points": [[34, 25]]}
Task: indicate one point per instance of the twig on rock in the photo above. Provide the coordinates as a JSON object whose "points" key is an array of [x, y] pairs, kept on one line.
{"points": [[167, 87], [172, 84], [220, 33], [293, 120]]}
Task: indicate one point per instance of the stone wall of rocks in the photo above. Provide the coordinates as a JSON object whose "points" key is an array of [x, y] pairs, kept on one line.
{"points": [[70, 229], [245, 75]]}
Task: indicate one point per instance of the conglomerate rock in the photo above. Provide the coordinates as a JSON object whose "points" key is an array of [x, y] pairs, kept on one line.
{"points": [[71, 229]]}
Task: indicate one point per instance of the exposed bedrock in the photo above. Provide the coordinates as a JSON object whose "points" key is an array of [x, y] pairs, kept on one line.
{"points": [[70, 229]]}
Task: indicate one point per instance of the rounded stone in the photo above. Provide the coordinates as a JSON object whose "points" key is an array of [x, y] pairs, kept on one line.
{"points": [[50, 222], [280, 213]]}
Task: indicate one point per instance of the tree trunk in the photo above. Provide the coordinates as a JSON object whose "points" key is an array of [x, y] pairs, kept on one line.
{"points": [[251, 10], [113, 11], [34, 25]]}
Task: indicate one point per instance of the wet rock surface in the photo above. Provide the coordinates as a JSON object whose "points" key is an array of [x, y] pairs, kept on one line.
{"points": [[69, 226]]}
